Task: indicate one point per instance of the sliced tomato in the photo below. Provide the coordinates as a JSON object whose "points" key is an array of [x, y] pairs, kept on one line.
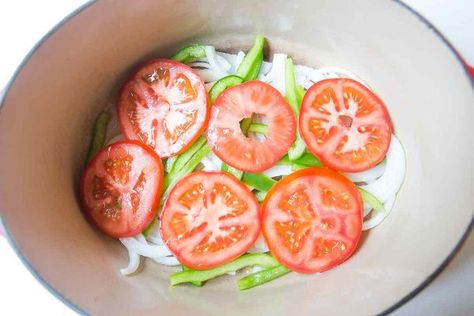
{"points": [[312, 220], [121, 188], [228, 141], [164, 105], [209, 218], [345, 125]]}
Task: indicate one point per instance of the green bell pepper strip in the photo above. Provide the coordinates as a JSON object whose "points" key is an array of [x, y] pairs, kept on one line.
{"points": [[189, 166], [290, 87], [182, 159], [189, 52], [247, 260], [220, 85], [370, 199], [305, 161], [298, 147], [249, 68], [300, 92], [308, 159], [258, 128], [196, 283], [150, 226], [261, 277], [231, 170], [256, 68], [245, 124], [98, 135], [258, 181]]}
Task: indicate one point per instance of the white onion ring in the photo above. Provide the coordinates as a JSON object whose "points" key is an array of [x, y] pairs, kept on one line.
{"points": [[238, 60], [155, 236], [391, 180], [379, 217], [306, 75], [167, 261], [259, 246], [144, 249], [208, 75], [219, 64], [368, 175], [342, 73], [202, 64], [233, 59], [264, 69], [276, 75], [367, 210], [278, 170], [216, 160], [133, 263], [209, 164]]}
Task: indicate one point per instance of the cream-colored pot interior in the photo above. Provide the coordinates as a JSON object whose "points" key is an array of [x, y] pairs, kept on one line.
{"points": [[47, 114]]}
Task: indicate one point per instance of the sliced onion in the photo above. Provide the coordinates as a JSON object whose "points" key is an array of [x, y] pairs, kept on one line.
{"points": [[264, 70], [391, 180], [202, 64], [306, 84], [278, 170], [230, 58], [367, 210], [216, 160], [368, 175], [379, 216], [307, 75], [167, 261], [209, 165], [259, 246], [154, 236], [238, 60], [133, 263], [218, 64], [145, 249], [276, 75], [208, 75], [341, 72], [233, 59]]}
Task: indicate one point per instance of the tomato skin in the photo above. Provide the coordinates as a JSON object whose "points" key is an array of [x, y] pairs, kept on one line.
{"points": [[194, 194], [325, 131], [132, 228], [226, 138], [133, 83], [351, 226]]}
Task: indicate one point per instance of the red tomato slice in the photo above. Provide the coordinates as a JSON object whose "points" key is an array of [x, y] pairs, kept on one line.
{"points": [[312, 220], [237, 103], [345, 125], [121, 188], [164, 105], [209, 218]]}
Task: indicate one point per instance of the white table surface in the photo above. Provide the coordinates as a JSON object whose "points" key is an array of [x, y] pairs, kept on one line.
{"points": [[24, 22]]}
